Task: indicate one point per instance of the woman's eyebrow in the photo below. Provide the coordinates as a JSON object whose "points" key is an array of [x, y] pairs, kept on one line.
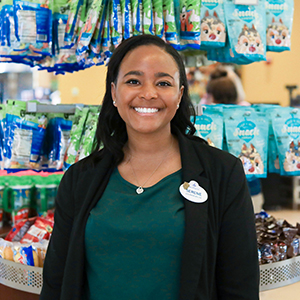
{"points": [[163, 74], [138, 73]]}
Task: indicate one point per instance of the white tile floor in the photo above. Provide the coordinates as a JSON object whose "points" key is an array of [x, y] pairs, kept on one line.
{"points": [[290, 292]]}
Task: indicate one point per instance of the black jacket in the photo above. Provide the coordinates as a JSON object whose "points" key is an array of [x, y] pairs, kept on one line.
{"points": [[219, 258]]}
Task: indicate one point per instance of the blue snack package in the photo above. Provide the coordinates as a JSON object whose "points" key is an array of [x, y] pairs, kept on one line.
{"points": [[33, 28], [273, 156], [286, 126], [209, 125], [24, 137], [246, 31], [279, 18], [213, 29], [190, 24], [247, 138], [116, 23]]}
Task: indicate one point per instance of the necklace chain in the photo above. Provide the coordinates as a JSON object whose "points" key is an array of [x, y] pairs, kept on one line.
{"points": [[140, 188]]}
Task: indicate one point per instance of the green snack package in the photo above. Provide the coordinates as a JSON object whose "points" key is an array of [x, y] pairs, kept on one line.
{"points": [[75, 136]]}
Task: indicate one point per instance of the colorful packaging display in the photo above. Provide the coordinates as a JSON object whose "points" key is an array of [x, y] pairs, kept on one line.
{"points": [[246, 136]]}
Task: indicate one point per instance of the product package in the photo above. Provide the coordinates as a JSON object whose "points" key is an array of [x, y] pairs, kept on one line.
{"points": [[209, 125], [213, 29], [286, 127], [247, 138], [279, 18], [246, 31]]}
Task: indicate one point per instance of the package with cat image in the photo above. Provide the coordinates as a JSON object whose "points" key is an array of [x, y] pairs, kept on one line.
{"points": [[246, 132], [286, 126], [209, 125], [279, 20], [190, 24], [246, 29], [213, 29]]}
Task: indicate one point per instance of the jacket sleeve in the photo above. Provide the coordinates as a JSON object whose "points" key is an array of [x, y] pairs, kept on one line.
{"points": [[237, 269], [54, 265]]}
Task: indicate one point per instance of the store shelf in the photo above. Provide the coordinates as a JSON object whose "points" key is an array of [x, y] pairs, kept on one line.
{"points": [[279, 274]]}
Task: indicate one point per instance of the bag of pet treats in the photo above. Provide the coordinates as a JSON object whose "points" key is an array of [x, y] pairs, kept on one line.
{"points": [[56, 141], [279, 20], [190, 24], [88, 138], [24, 136], [286, 126], [209, 125], [137, 16], [33, 28], [171, 21], [116, 22], [213, 29], [247, 138], [75, 136], [246, 31]]}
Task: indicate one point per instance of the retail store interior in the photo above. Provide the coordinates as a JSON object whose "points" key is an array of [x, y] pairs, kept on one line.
{"points": [[274, 81]]}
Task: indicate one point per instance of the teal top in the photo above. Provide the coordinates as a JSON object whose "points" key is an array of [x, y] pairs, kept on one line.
{"points": [[133, 242]]}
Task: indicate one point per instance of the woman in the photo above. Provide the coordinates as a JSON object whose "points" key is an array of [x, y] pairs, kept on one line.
{"points": [[175, 218]]}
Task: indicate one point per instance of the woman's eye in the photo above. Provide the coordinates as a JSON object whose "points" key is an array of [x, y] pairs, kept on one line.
{"points": [[132, 81], [164, 83]]}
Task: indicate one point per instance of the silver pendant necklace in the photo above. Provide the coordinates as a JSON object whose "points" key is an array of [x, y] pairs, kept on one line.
{"points": [[140, 188]]}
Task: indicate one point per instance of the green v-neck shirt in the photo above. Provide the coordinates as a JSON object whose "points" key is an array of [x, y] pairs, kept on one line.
{"points": [[133, 242]]}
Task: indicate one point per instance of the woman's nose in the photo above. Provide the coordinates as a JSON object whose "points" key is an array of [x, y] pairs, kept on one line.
{"points": [[148, 92]]}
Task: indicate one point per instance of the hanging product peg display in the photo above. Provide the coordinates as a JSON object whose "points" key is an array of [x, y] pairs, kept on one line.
{"points": [[72, 35]]}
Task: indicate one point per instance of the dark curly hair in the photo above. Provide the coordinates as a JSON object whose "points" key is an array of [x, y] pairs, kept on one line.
{"points": [[111, 131]]}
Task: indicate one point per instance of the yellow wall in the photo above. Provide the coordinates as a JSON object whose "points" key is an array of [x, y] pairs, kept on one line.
{"points": [[265, 83], [86, 86]]}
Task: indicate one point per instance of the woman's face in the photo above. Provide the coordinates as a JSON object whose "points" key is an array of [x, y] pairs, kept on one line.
{"points": [[147, 90]]}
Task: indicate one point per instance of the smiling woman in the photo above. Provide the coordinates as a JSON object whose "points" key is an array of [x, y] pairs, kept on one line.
{"points": [[156, 213]]}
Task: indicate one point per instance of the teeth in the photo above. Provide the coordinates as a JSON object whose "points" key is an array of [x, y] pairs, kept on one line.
{"points": [[145, 110]]}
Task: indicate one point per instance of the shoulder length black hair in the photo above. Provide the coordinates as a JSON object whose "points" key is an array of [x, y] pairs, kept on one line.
{"points": [[111, 129]]}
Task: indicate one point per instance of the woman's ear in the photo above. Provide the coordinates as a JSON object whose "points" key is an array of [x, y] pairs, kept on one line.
{"points": [[113, 93]]}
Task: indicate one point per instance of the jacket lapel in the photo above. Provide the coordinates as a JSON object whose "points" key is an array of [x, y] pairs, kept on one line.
{"points": [[195, 221]]}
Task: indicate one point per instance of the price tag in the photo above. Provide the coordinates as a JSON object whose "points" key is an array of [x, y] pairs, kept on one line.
{"points": [[246, 2]]}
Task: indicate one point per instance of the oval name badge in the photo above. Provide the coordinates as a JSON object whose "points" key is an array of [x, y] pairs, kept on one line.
{"points": [[193, 192]]}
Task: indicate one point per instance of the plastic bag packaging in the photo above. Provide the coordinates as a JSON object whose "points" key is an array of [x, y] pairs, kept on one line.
{"points": [[190, 24], [75, 136], [24, 136], [137, 16], [279, 20], [209, 125], [158, 18], [56, 141], [246, 31], [213, 29], [247, 138], [148, 23], [171, 20], [33, 28], [88, 138], [286, 126], [2, 130]]}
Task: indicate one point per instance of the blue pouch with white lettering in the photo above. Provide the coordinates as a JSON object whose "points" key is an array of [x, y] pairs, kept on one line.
{"points": [[246, 26], [209, 125], [247, 138], [213, 29], [286, 126], [279, 18]]}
